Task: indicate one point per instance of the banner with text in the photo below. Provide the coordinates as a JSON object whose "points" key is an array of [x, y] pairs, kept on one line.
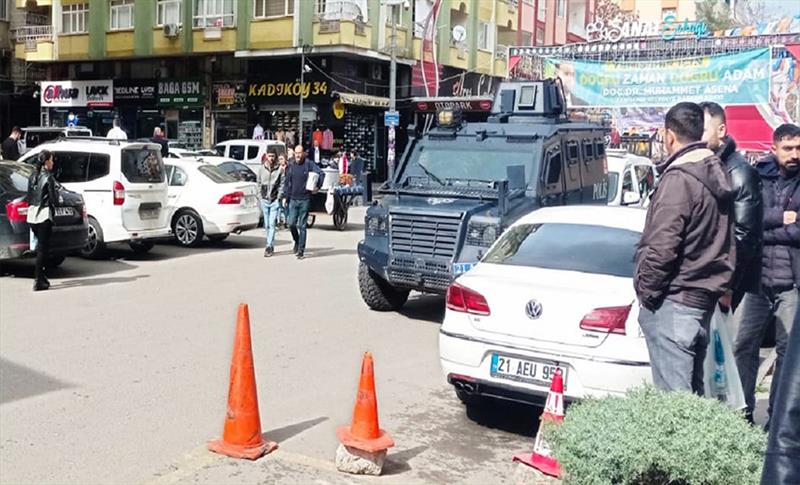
{"points": [[742, 78]]}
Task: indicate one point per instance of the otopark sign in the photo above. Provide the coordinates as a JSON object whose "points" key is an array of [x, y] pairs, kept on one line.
{"points": [[671, 28]]}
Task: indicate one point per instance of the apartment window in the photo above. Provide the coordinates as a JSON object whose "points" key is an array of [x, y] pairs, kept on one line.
{"points": [[214, 13], [539, 36], [169, 12], [668, 11], [272, 8], [483, 36], [74, 18], [400, 11], [4, 9], [542, 14], [121, 14], [561, 8]]}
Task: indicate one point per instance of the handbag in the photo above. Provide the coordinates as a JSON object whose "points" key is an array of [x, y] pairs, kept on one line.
{"points": [[722, 379]]}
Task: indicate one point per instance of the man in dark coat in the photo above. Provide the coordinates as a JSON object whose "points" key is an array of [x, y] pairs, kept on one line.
{"points": [[780, 275], [748, 209], [10, 147]]}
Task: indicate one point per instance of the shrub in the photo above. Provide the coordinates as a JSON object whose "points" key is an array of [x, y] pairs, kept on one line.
{"points": [[650, 437]]}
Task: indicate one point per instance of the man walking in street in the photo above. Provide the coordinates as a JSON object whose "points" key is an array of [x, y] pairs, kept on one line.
{"points": [[10, 147], [158, 137], [270, 183], [780, 270], [116, 133], [299, 198], [748, 210], [685, 258]]}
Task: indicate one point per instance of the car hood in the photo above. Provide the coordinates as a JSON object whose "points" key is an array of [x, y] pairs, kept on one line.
{"points": [[436, 203]]}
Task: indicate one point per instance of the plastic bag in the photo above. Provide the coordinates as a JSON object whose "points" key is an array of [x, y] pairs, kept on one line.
{"points": [[721, 374], [329, 202]]}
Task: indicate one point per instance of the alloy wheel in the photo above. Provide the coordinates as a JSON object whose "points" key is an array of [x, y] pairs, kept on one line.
{"points": [[186, 229]]}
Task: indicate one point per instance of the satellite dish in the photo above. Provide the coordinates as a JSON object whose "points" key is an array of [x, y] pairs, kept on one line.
{"points": [[459, 33]]}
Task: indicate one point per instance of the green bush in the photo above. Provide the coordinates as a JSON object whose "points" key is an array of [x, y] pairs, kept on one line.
{"points": [[650, 437]]}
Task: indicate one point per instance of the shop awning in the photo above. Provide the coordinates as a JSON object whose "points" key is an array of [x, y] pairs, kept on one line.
{"points": [[749, 128], [363, 100]]}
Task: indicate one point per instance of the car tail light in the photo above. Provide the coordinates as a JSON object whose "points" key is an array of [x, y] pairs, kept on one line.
{"points": [[606, 320], [232, 198], [84, 212], [119, 193], [17, 211], [463, 299]]}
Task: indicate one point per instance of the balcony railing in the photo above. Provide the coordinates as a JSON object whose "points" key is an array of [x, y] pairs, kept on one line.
{"points": [[501, 51], [327, 10], [31, 35]]}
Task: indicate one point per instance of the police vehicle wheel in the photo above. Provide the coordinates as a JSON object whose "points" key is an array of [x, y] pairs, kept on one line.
{"points": [[378, 294]]}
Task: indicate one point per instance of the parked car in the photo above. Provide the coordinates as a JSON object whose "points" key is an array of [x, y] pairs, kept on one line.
{"points": [[204, 201], [631, 178], [34, 136], [180, 153], [235, 169], [124, 185], [70, 226], [251, 152], [554, 292]]}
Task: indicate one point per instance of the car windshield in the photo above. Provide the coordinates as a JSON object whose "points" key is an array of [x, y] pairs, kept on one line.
{"points": [[613, 180], [447, 163], [569, 247], [142, 165], [14, 177], [216, 175]]}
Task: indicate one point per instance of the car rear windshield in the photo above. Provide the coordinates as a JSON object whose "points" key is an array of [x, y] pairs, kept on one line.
{"points": [[569, 247], [216, 175], [142, 166], [14, 177]]}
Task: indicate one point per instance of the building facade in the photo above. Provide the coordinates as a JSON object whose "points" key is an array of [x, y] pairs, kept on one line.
{"points": [[654, 11]]}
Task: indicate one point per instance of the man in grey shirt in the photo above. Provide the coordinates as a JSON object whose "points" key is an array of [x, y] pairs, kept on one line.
{"points": [[270, 184]]}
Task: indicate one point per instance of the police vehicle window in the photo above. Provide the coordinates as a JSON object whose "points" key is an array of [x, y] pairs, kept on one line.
{"points": [[450, 164], [236, 152], [252, 152], [588, 150], [600, 147], [568, 247], [142, 166], [572, 151], [98, 166], [71, 167], [553, 168]]}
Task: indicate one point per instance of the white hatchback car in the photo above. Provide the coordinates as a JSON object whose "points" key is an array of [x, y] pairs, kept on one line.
{"points": [[124, 186], [554, 292], [251, 152], [203, 200]]}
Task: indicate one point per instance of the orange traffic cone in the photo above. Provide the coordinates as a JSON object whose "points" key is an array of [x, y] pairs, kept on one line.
{"points": [[364, 433], [541, 458], [241, 437]]}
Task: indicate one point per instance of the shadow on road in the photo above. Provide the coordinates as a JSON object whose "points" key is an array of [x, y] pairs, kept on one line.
{"points": [[282, 434], [327, 252], [429, 308], [96, 282], [18, 382], [72, 267], [397, 463], [511, 417]]}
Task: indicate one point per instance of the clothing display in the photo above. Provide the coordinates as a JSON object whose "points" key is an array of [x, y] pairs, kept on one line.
{"points": [[327, 139], [359, 136], [290, 138], [316, 137]]}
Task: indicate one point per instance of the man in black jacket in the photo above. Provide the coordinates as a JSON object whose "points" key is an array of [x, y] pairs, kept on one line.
{"points": [[299, 197], [748, 210], [10, 147], [780, 275]]}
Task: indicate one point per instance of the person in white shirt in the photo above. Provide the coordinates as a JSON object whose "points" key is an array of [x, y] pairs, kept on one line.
{"points": [[258, 132], [116, 133]]}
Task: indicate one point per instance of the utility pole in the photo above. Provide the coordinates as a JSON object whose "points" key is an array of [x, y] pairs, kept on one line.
{"points": [[390, 152], [300, 131]]}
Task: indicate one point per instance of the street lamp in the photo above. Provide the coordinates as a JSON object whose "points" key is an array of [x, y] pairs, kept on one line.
{"points": [[303, 70], [390, 153]]}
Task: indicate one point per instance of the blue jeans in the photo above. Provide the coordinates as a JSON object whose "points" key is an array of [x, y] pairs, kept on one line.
{"points": [[297, 220], [677, 340], [751, 320], [270, 210]]}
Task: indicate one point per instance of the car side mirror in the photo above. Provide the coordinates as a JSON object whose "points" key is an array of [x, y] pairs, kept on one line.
{"points": [[630, 198]]}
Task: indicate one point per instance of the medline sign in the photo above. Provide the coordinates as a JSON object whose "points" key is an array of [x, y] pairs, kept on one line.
{"points": [[77, 94], [617, 29], [726, 79]]}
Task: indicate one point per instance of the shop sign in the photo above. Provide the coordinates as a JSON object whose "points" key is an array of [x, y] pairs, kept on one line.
{"points": [[269, 91], [434, 105], [459, 83], [229, 95], [135, 93], [731, 79], [184, 92], [617, 29], [71, 94], [338, 109]]}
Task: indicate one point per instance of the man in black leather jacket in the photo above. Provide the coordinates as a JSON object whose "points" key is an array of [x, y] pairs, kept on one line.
{"points": [[748, 209]]}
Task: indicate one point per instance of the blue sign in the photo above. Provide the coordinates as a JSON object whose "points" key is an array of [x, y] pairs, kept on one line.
{"points": [[391, 118]]}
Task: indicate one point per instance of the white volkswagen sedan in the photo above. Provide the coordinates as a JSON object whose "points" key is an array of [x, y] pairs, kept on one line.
{"points": [[204, 201], [554, 292]]}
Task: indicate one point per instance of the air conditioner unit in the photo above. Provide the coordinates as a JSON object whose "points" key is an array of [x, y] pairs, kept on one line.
{"points": [[171, 30]]}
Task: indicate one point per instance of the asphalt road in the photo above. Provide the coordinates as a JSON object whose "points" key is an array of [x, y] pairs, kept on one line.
{"points": [[119, 373]]}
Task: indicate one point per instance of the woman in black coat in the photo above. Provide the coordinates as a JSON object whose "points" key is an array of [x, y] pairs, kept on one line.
{"points": [[41, 209]]}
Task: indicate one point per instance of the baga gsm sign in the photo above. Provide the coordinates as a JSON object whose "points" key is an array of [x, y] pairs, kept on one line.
{"points": [[77, 94]]}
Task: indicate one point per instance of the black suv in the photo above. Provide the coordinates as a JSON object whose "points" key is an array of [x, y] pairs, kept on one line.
{"points": [[70, 227], [458, 186]]}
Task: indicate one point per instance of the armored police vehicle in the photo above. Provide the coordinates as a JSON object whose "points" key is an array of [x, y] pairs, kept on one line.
{"points": [[458, 186]]}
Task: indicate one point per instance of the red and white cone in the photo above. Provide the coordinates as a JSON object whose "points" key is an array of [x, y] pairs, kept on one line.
{"points": [[541, 458]]}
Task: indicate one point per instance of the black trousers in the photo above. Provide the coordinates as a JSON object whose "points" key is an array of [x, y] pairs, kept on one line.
{"points": [[43, 231]]}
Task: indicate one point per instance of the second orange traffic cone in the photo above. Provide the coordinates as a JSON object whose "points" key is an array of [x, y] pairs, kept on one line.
{"points": [[365, 433], [241, 437], [542, 456]]}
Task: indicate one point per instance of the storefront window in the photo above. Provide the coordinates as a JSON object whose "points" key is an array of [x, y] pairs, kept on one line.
{"points": [[169, 12], [121, 14], [214, 13]]}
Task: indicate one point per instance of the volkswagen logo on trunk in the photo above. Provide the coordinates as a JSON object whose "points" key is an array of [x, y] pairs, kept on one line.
{"points": [[533, 309]]}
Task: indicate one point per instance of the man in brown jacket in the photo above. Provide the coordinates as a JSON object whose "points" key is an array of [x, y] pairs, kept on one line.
{"points": [[686, 256]]}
